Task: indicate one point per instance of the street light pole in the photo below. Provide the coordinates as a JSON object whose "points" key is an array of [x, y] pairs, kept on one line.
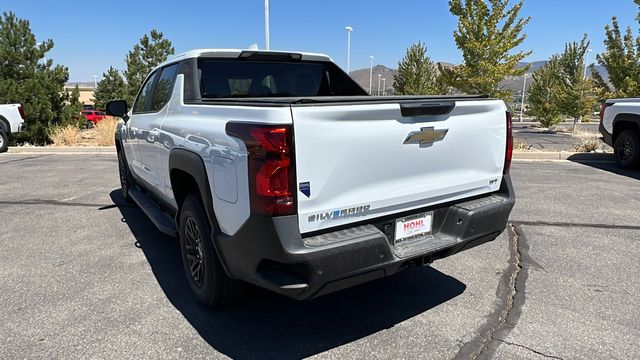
{"points": [[379, 79], [384, 86], [349, 30], [586, 62], [370, 74], [524, 92], [266, 24]]}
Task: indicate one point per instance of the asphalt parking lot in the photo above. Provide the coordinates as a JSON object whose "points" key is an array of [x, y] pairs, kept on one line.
{"points": [[85, 275], [536, 138]]}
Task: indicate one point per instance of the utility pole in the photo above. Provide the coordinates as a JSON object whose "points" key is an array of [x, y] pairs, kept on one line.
{"points": [[349, 31], [266, 24], [524, 92], [370, 74], [384, 86], [379, 79], [95, 81]]}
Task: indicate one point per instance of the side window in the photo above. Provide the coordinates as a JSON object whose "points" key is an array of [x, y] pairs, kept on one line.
{"points": [[143, 97], [164, 88]]}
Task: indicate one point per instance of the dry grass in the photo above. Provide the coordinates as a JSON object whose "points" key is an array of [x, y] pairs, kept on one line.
{"points": [[65, 136], [105, 131], [589, 141], [518, 144]]}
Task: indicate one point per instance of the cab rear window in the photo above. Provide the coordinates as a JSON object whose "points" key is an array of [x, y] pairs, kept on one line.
{"points": [[246, 79]]}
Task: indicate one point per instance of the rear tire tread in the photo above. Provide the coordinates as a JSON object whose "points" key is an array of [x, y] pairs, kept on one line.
{"points": [[223, 290], [634, 137]]}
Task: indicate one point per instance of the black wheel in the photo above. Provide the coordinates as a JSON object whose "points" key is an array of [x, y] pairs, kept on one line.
{"points": [[627, 149], [205, 275], [126, 179], [4, 141], [90, 124]]}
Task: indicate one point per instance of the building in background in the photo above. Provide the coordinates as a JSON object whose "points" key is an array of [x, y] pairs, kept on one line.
{"points": [[86, 92]]}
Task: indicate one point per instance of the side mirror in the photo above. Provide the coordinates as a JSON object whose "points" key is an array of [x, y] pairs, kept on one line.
{"points": [[117, 108]]}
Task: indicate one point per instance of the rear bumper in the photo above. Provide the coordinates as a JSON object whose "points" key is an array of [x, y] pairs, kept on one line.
{"points": [[606, 137], [271, 252]]}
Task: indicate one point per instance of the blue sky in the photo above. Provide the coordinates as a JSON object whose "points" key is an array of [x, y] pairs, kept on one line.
{"points": [[90, 36]]}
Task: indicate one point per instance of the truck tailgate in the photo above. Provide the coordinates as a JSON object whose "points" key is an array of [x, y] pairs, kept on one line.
{"points": [[354, 163]]}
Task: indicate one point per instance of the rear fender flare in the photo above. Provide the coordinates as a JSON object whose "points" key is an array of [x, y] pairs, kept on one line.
{"points": [[4, 125], [627, 118], [192, 164]]}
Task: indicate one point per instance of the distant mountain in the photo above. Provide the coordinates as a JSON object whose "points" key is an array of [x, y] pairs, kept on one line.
{"points": [[515, 83], [361, 76]]}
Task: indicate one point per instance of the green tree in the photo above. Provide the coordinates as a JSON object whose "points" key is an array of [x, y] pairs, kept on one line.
{"points": [[72, 109], [545, 93], [487, 33], [576, 96], [111, 87], [601, 88], [152, 50], [27, 79], [417, 74], [621, 59]]}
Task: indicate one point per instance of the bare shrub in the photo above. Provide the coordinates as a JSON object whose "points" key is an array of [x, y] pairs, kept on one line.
{"points": [[519, 144], [105, 131], [65, 135], [589, 141]]}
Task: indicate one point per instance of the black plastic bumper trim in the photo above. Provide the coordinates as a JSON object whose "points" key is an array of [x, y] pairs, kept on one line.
{"points": [[337, 265]]}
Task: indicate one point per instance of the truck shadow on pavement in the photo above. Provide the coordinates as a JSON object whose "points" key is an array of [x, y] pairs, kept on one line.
{"points": [[267, 325], [604, 162]]}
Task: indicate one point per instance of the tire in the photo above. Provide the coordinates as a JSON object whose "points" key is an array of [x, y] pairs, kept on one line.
{"points": [[205, 275], [90, 125], [126, 179], [627, 149], [4, 141]]}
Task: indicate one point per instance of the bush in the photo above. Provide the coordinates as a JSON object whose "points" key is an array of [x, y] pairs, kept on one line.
{"points": [[550, 121], [65, 135], [105, 131], [519, 144], [589, 141]]}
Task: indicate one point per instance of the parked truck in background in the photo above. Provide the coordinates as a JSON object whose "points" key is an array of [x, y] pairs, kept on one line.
{"points": [[277, 169], [620, 129], [11, 121]]}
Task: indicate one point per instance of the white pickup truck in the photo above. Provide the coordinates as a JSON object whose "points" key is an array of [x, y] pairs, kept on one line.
{"points": [[620, 129], [277, 169], [11, 121]]}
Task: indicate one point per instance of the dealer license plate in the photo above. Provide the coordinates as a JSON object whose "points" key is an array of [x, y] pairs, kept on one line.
{"points": [[413, 226]]}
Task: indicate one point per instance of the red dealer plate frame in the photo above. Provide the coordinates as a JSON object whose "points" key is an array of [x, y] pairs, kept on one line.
{"points": [[413, 226]]}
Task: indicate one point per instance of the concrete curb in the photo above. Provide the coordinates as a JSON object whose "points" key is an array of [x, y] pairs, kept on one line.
{"points": [[561, 155], [88, 150]]}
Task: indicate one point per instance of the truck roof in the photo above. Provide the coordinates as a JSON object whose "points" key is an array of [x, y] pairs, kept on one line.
{"points": [[234, 53]]}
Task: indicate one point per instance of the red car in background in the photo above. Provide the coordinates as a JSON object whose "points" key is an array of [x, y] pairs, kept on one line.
{"points": [[93, 117]]}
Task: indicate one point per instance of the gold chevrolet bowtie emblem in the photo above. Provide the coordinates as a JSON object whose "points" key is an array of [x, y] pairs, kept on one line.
{"points": [[426, 136]]}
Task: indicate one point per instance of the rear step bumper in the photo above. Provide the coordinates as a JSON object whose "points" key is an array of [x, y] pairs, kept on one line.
{"points": [[271, 252]]}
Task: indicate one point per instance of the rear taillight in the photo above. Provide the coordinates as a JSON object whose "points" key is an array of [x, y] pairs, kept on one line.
{"points": [[271, 171], [602, 108], [509, 151], [21, 111]]}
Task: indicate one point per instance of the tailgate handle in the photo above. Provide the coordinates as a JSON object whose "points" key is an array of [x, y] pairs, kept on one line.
{"points": [[441, 108]]}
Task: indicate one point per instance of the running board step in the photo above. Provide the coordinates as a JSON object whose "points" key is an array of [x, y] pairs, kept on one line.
{"points": [[160, 219], [423, 245]]}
